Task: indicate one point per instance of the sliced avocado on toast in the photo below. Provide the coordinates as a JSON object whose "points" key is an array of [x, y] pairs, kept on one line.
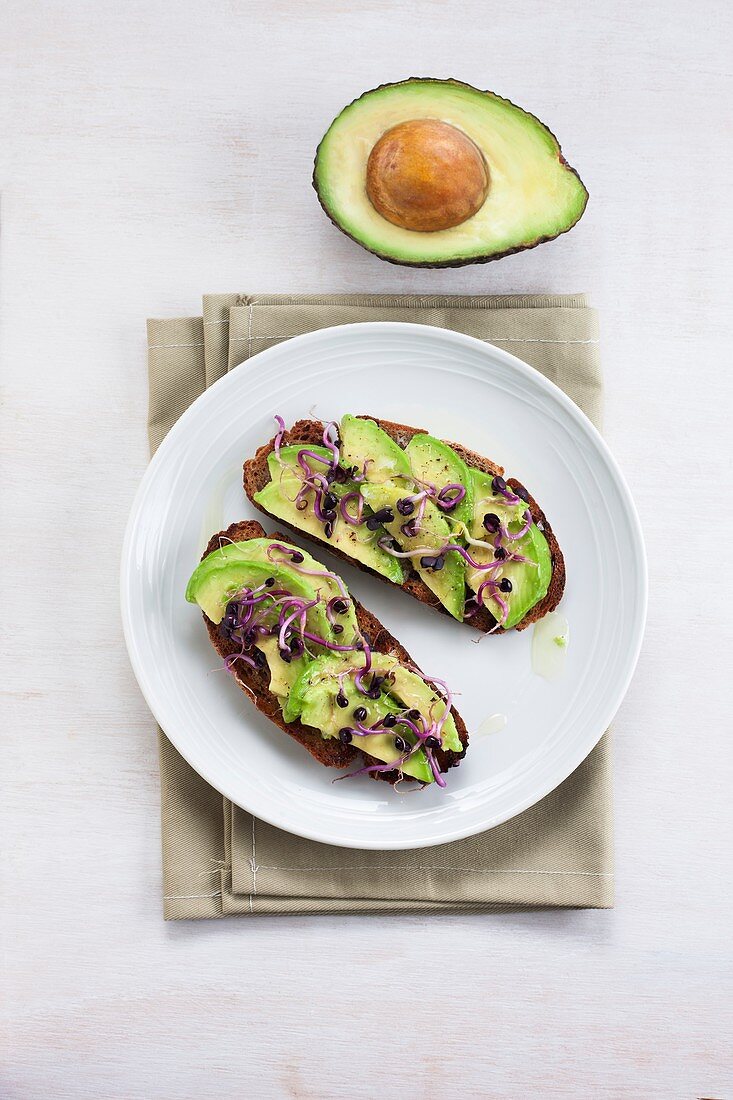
{"points": [[318, 664], [463, 539]]}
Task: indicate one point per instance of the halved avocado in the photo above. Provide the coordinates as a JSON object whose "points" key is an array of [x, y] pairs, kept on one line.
{"points": [[435, 173]]}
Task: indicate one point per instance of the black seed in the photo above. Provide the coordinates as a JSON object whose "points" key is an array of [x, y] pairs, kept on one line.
{"points": [[297, 557], [389, 720], [269, 582], [286, 656], [345, 735], [374, 693], [385, 515], [232, 609], [499, 484], [330, 500], [521, 492], [329, 514], [259, 658], [337, 628], [250, 637], [341, 700], [360, 714], [373, 523], [432, 743], [427, 562], [340, 607], [505, 584], [405, 507], [296, 647], [414, 715], [340, 475], [438, 563], [492, 521], [302, 505], [500, 553], [409, 530], [399, 744], [328, 529]]}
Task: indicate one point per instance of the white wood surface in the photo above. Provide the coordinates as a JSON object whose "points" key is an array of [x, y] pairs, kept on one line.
{"points": [[152, 151]]}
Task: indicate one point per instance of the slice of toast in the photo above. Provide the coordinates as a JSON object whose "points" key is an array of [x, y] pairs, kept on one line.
{"points": [[255, 682], [256, 475]]}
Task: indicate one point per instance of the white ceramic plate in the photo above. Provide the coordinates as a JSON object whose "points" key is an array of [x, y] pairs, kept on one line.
{"points": [[457, 388]]}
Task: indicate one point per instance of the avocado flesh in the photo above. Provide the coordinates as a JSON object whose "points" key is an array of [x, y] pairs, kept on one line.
{"points": [[529, 582], [448, 583], [313, 700], [367, 447], [213, 588], [533, 193], [434, 461], [277, 498], [282, 674]]}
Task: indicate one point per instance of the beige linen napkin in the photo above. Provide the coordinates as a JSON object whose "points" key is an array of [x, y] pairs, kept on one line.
{"points": [[217, 859]]}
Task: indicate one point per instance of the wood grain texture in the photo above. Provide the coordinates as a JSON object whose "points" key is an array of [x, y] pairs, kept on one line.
{"points": [[150, 152]]}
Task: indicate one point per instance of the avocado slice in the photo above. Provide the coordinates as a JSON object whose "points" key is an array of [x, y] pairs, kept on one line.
{"points": [[436, 173], [530, 582], [434, 461], [278, 496], [215, 583], [313, 700], [367, 447], [282, 675], [237, 565], [448, 583]]}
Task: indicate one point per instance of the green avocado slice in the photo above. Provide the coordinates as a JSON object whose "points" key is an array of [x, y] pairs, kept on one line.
{"points": [[530, 582], [533, 195], [448, 583], [367, 447], [246, 564], [434, 461], [278, 496], [313, 700], [214, 584]]}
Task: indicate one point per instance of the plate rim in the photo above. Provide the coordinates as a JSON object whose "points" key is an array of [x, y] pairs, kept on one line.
{"points": [[367, 329]]}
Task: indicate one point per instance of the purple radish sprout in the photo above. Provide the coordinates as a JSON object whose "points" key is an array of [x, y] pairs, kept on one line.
{"points": [[354, 521], [328, 442], [280, 433]]}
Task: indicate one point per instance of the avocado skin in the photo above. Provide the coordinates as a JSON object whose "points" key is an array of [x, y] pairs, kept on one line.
{"points": [[455, 262]]}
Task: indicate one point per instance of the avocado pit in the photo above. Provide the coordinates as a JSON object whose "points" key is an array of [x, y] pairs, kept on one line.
{"points": [[426, 175]]}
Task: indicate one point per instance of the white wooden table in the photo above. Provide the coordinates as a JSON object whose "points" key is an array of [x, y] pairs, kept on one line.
{"points": [[152, 151]]}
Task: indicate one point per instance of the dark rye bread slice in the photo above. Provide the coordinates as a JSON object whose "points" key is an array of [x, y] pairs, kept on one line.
{"points": [[255, 682], [256, 476]]}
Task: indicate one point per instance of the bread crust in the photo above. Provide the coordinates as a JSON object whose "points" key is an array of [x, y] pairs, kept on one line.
{"points": [[256, 475], [255, 682]]}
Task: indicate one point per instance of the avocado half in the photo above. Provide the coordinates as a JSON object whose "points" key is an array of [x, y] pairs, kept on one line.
{"points": [[436, 173]]}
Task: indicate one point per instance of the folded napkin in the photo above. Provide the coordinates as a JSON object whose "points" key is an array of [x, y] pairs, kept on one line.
{"points": [[217, 858]]}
